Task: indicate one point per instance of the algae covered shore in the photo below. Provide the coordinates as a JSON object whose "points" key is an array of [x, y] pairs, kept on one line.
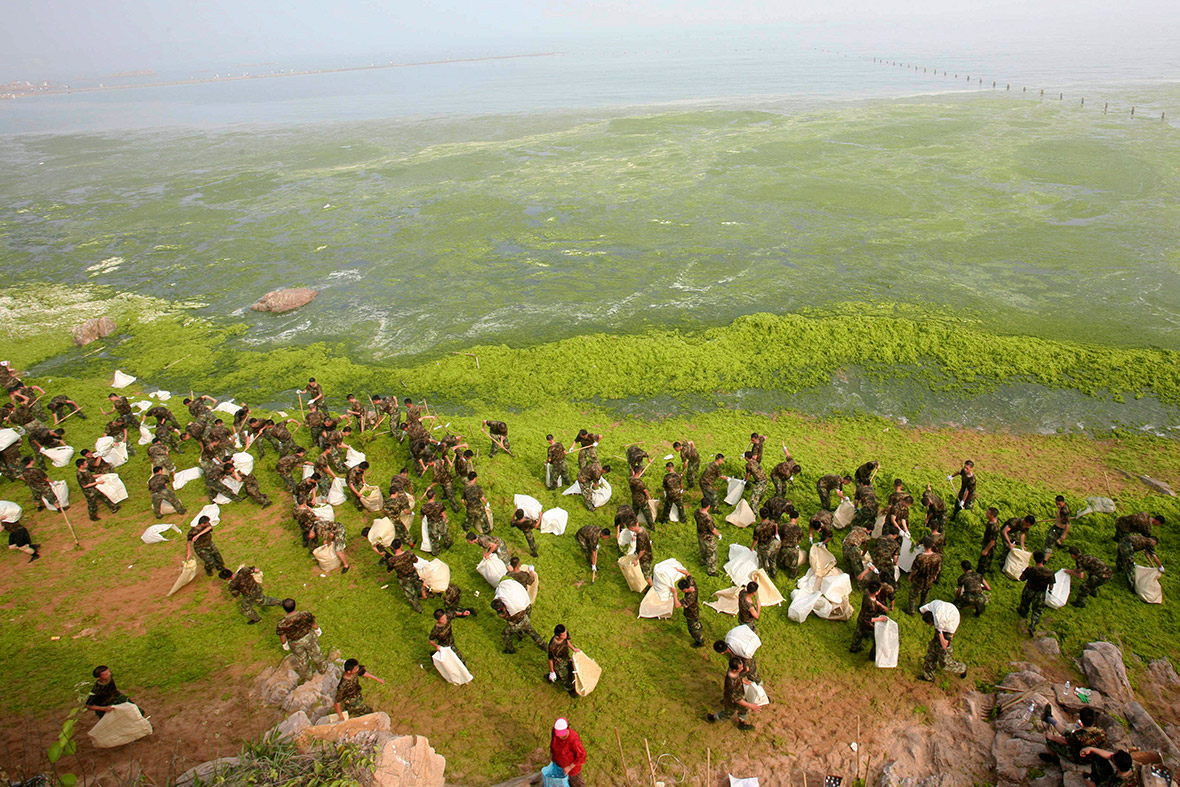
{"points": [[184, 653]]}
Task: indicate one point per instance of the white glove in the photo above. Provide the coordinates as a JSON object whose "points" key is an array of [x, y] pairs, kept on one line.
{"points": [[552, 677], [950, 478], [594, 569], [1161, 569], [286, 646], [319, 632]]}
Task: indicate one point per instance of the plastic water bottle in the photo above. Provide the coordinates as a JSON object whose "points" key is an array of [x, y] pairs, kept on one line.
{"points": [[1067, 688]]}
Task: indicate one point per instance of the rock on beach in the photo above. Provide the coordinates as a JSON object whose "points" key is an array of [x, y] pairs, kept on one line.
{"points": [[94, 329], [285, 300]]}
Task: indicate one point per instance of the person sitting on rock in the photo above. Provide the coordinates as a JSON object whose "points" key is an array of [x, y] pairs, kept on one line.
{"points": [[1068, 744]]}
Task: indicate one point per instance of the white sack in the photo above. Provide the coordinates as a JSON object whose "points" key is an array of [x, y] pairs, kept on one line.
{"points": [[353, 457], [725, 601], [325, 512], [626, 541], [629, 565], [586, 673], [842, 516], [122, 380], [653, 606], [743, 515], [737, 488], [451, 667], [436, 575], [61, 494], [121, 725], [768, 595], [1147, 584], [227, 406], [141, 406], [163, 396], [382, 532], [59, 457], [371, 499], [743, 641], [909, 551], [213, 511], [308, 469], [8, 437], [531, 506], [888, 644], [243, 462], [145, 435], [741, 564], [232, 484], [878, 526], [1057, 596], [664, 576], [336, 492], [600, 496], [946, 615], [802, 604], [514, 595], [426, 544], [155, 533], [1016, 563], [836, 587], [112, 486], [822, 561], [112, 452], [326, 556], [10, 512], [493, 570], [756, 695], [554, 521], [182, 477], [674, 513]]}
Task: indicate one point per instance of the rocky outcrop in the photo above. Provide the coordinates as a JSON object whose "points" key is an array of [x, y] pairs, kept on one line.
{"points": [[358, 728], [408, 761], [92, 330], [316, 697], [279, 301], [290, 727], [206, 770], [274, 684]]}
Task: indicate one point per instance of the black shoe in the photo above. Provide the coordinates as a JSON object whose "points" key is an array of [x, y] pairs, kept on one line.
{"points": [[923, 677], [1047, 713], [711, 717], [1049, 757], [35, 546], [251, 622], [345, 569], [963, 674], [744, 726], [36, 556], [698, 644], [573, 694], [93, 519]]}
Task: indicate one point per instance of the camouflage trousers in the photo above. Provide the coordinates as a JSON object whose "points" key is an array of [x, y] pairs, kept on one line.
{"points": [[448, 493], [666, 511], [859, 636], [210, 557], [477, 520], [780, 486], [247, 603], [1125, 561], [565, 673], [514, 631], [261, 442], [768, 557], [645, 565], [709, 496], [918, 593], [251, 489], [531, 540], [866, 517], [975, 601], [93, 498], [788, 559], [587, 456], [940, 658], [440, 536], [741, 711], [1089, 588], [39, 491], [355, 707], [556, 474], [412, 587], [215, 488], [757, 492], [305, 652], [588, 498], [854, 558], [695, 629], [164, 462], [501, 445], [691, 470], [984, 564], [1052, 539], [708, 549], [166, 495], [1032, 606]]}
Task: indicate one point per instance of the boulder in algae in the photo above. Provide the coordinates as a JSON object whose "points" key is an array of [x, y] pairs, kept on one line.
{"points": [[92, 330], [285, 300]]}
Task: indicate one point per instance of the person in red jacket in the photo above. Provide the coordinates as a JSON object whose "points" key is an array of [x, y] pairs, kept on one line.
{"points": [[566, 749]]}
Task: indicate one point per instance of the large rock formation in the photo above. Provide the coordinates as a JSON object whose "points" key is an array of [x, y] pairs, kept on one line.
{"points": [[92, 330], [278, 301]]}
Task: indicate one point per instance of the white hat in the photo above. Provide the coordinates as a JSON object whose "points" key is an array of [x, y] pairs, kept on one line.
{"points": [[561, 724]]}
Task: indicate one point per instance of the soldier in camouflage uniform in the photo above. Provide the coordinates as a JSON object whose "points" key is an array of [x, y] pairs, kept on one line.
{"points": [[299, 634], [348, 693], [251, 488], [161, 492], [556, 474], [160, 456], [940, 653], [491, 545], [756, 480], [11, 462], [587, 448], [63, 407], [1068, 744], [281, 435], [386, 406], [518, 626], [991, 540], [971, 590], [315, 425], [690, 461], [749, 606], [789, 536], [442, 635], [402, 561], [766, 543], [733, 697], [828, 484], [643, 549], [1060, 528], [1094, 574], [923, 574], [692, 609], [935, 509], [707, 535], [867, 507], [215, 475], [526, 525], [853, 549], [1013, 533], [673, 494], [123, 408], [1128, 546], [588, 538], [452, 598], [588, 476], [286, 467], [561, 663], [244, 585], [498, 432], [90, 490], [637, 458], [445, 479], [1037, 579], [1141, 523], [709, 478], [782, 473], [517, 573], [872, 611], [38, 483], [473, 498], [437, 526], [397, 508]]}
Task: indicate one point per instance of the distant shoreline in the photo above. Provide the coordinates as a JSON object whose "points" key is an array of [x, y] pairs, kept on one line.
{"points": [[171, 83]]}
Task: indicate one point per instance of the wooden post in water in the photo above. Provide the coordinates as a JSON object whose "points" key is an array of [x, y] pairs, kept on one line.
{"points": [[1060, 96], [1132, 111], [1042, 92], [1105, 107], [1083, 101], [1008, 87]]}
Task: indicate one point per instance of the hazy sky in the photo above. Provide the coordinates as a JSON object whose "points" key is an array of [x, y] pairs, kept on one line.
{"points": [[97, 37]]}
